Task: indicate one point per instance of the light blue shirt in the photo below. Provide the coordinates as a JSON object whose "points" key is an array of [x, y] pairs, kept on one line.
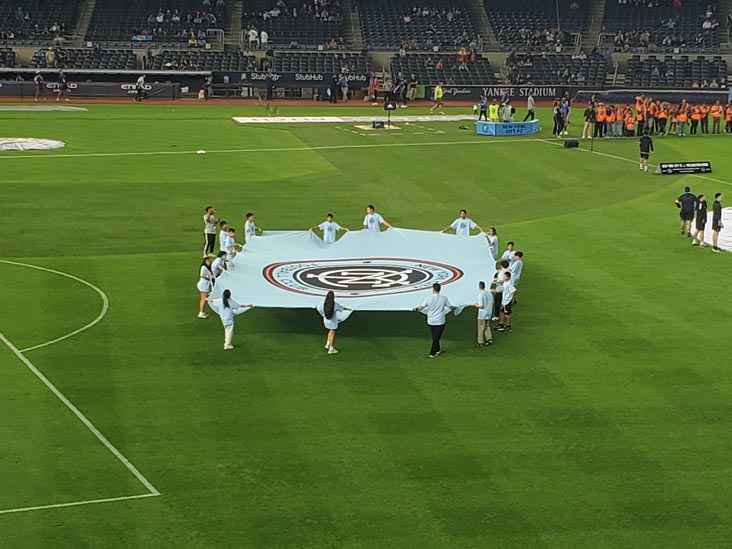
{"points": [[436, 306], [516, 269], [463, 226], [508, 290], [227, 313], [330, 323], [510, 256], [329, 228], [485, 300], [373, 222], [493, 243]]}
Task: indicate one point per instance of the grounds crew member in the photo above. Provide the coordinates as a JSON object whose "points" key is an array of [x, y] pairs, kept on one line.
{"points": [[695, 118], [600, 115], [682, 115], [728, 118], [662, 118], [704, 110], [716, 113]]}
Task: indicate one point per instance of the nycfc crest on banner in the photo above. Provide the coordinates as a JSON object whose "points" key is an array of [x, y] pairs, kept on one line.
{"points": [[392, 270]]}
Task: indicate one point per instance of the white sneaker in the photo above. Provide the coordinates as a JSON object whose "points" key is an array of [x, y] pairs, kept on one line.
{"points": [[228, 347], [332, 351], [327, 346], [202, 315]]}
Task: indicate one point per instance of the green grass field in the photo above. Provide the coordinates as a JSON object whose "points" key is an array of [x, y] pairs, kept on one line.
{"points": [[603, 420]]}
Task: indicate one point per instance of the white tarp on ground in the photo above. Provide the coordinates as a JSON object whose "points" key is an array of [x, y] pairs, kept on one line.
{"points": [[380, 115], [725, 235], [28, 144], [389, 271]]}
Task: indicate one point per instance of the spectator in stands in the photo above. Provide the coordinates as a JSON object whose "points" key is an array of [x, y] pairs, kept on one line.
{"points": [[19, 15], [253, 38], [263, 39], [50, 58]]}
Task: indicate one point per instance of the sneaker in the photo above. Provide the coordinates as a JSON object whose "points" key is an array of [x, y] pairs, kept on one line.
{"points": [[689, 235], [507, 329], [693, 243], [717, 250], [332, 351], [489, 342], [702, 245], [494, 318], [438, 353], [433, 356], [327, 346], [500, 328], [228, 347], [202, 315]]}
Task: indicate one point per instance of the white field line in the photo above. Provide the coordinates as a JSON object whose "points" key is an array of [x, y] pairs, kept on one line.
{"points": [[74, 504], [5, 157], [560, 143], [99, 291], [88, 424]]}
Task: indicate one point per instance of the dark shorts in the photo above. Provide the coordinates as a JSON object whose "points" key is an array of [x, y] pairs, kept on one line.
{"points": [[701, 222], [686, 216], [506, 309], [645, 155], [716, 226]]}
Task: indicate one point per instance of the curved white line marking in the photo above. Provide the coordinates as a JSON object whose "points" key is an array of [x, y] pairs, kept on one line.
{"points": [[99, 291]]}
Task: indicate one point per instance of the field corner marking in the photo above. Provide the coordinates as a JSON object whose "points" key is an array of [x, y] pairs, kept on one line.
{"points": [[75, 503]]}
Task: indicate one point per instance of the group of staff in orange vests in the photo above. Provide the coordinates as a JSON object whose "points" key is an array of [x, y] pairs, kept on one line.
{"points": [[655, 116]]}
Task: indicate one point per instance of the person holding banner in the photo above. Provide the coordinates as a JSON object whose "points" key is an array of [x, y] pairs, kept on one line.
{"points": [[227, 308], [435, 307], [329, 310]]}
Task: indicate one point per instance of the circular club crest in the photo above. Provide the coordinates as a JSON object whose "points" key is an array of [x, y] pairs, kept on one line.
{"points": [[364, 277]]}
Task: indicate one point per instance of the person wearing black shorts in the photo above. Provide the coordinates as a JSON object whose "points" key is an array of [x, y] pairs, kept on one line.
{"points": [[646, 148], [687, 203], [701, 221], [716, 221]]}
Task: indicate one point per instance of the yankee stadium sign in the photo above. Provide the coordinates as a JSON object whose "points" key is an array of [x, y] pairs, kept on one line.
{"points": [[474, 93], [364, 277]]}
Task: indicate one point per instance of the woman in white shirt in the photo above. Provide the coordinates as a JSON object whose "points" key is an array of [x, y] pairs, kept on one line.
{"points": [[329, 310], [493, 242], [227, 308], [205, 278], [219, 265]]}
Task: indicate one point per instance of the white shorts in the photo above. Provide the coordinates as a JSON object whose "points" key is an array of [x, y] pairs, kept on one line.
{"points": [[204, 285]]}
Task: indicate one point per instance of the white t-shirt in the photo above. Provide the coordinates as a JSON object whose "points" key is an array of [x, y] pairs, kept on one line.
{"points": [[485, 300], [463, 226], [436, 306], [230, 247], [223, 235], [250, 230], [510, 256], [140, 82], [209, 222], [253, 35], [493, 243], [373, 222], [218, 266], [329, 228], [508, 291], [516, 269]]}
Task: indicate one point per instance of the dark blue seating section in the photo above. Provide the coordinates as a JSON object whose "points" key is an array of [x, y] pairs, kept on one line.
{"points": [[334, 63], [295, 24], [118, 21], [386, 24], [197, 60], [557, 69], [87, 58], [38, 20], [423, 67], [676, 72], [536, 25], [663, 27]]}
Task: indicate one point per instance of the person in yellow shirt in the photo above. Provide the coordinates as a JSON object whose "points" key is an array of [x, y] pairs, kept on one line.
{"points": [[494, 110], [437, 96]]}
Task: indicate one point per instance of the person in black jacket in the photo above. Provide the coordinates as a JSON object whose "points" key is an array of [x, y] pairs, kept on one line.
{"points": [[701, 221], [716, 221]]}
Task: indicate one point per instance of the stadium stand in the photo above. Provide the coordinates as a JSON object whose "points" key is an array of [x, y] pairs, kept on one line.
{"points": [[431, 69], [7, 57], [197, 60], [534, 25], [557, 69], [321, 62], [36, 22], [391, 24], [291, 25], [166, 21], [670, 72], [663, 26], [84, 59]]}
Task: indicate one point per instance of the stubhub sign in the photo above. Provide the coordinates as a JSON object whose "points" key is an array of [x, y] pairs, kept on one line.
{"points": [[295, 79]]}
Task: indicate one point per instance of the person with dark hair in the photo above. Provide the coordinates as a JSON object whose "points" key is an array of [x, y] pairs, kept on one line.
{"points": [[250, 229], [716, 222], [223, 235], [646, 148], [40, 86], [701, 221], [231, 243], [517, 268], [373, 221], [63, 87], [330, 229], [329, 310], [509, 255], [498, 286], [507, 296], [227, 307], [209, 231], [493, 241], [462, 225], [218, 266], [205, 283], [435, 307], [686, 202], [485, 308]]}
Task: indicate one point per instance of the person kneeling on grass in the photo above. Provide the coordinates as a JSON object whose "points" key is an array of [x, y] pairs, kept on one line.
{"points": [[205, 280], [329, 310], [227, 308]]}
